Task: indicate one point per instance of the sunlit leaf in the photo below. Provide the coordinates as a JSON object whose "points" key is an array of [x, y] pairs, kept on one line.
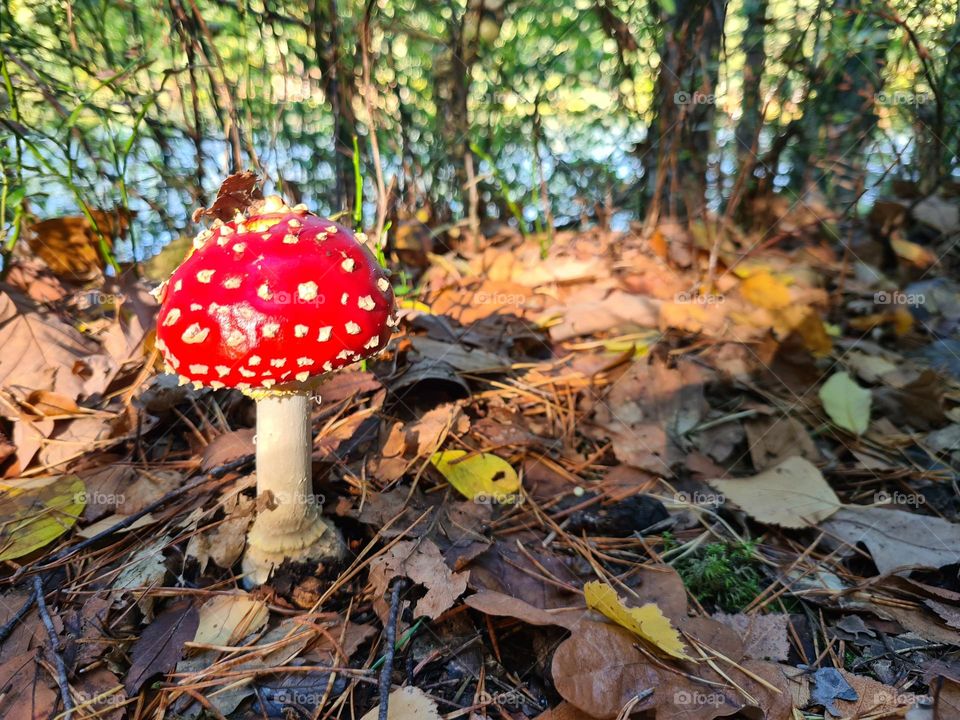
{"points": [[482, 476], [847, 404], [36, 513], [647, 621]]}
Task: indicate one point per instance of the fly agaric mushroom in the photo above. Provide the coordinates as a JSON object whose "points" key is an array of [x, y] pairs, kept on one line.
{"points": [[269, 303]]}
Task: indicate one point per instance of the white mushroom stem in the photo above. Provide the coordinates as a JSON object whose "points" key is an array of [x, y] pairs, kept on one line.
{"points": [[289, 523]]}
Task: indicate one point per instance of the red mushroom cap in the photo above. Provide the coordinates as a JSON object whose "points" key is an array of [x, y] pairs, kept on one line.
{"points": [[272, 299]]}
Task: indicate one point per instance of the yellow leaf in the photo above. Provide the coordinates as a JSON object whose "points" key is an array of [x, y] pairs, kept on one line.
{"points": [[36, 513], [847, 404], [408, 304], [766, 291], [481, 476], [648, 621]]}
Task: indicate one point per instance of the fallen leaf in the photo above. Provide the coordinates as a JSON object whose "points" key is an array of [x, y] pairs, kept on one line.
{"points": [[766, 291], [34, 513], [764, 636], [773, 440], [482, 477], [407, 703], [421, 562], [160, 646], [647, 621], [898, 539], [40, 352], [227, 619], [792, 494], [847, 404], [829, 685]]}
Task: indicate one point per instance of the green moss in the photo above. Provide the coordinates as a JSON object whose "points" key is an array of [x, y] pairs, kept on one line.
{"points": [[726, 576]]}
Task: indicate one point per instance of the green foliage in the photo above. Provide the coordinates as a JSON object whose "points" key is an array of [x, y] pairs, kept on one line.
{"points": [[724, 575]]}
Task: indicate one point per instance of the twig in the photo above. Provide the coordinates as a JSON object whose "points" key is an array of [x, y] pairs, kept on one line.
{"points": [[10, 624], [55, 646], [390, 640]]}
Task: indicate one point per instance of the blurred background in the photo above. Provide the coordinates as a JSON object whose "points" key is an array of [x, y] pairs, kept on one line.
{"points": [[461, 115]]}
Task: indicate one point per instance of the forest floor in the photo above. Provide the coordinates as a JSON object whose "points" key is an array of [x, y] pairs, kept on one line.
{"points": [[588, 490]]}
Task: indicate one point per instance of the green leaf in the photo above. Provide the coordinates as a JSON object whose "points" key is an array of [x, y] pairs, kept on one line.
{"points": [[847, 404], [36, 513]]}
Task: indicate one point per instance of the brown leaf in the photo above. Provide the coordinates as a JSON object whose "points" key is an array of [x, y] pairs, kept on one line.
{"points": [[227, 447], [42, 353], [421, 561], [71, 247], [773, 440], [160, 646], [26, 696], [237, 193], [764, 636]]}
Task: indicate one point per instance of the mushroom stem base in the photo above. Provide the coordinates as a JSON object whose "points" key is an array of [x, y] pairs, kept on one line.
{"points": [[271, 541]]}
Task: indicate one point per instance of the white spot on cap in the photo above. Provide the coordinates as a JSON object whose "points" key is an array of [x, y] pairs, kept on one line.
{"points": [[344, 298], [265, 236], [383, 284], [307, 291], [232, 283], [294, 224], [300, 330], [184, 380], [270, 329], [236, 338], [286, 375], [241, 228], [372, 342], [269, 383], [226, 230], [243, 386], [348, 264], [302, 376], [178, 286], [239, 248], [201, 239], [161, 345], [246, 373], [273, 204], [195, 334], [254, 360], [301, 361], [159, 292], [196, 306], [216, 384], [343, 355], [366, 303], [171, 318], [174, 362], [328, 366], [278, 362], [352, 328], [290, 239], [205, 275], [324, 334], [263, 292], [222, 370], [245, 312], [199, 369], [300, 209]]}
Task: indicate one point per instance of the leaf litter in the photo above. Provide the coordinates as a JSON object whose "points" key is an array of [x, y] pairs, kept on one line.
{"points": [[546, 452]]}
